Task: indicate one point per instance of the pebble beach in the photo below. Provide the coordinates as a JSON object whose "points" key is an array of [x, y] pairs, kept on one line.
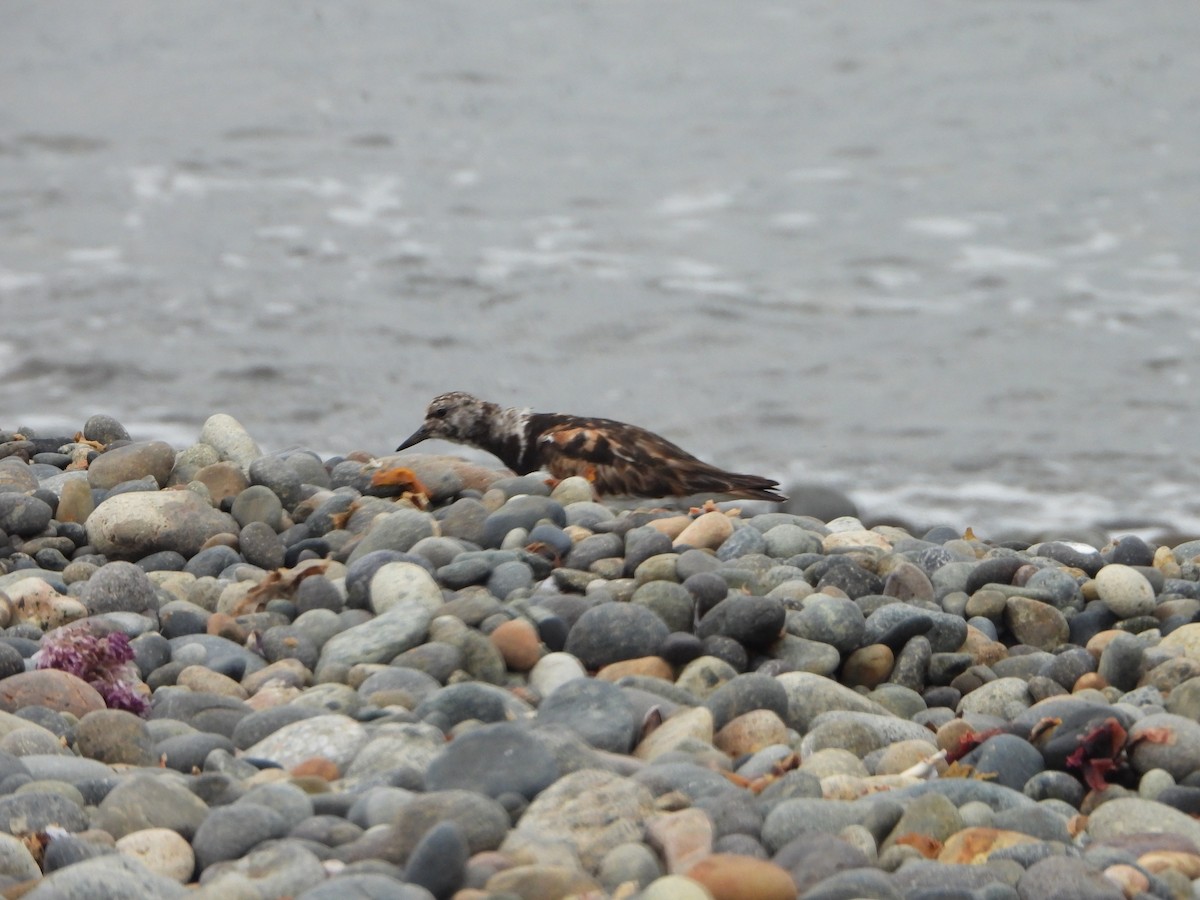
{"points": [[232, 674]]}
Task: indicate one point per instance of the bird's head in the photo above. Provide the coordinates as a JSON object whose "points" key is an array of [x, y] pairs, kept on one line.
{"points": [[456, 416]]}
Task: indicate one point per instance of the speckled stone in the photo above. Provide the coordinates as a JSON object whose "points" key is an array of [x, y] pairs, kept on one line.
{"points": [[593, 810]]}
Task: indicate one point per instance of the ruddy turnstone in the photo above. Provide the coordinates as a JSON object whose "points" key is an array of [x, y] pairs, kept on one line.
{"points": [[616, 458]]}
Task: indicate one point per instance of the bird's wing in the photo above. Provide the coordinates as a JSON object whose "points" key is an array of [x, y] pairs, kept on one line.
{"points": [[617, 458], [586, 441], [625, 460]]}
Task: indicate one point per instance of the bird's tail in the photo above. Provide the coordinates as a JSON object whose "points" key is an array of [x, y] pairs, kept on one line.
{"points": [[733, 484]]}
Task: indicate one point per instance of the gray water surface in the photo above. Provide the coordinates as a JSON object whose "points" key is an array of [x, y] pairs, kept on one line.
{"points": [[941, 255]]}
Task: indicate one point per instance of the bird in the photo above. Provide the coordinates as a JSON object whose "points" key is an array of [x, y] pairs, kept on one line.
{"points": [[618, 459]]}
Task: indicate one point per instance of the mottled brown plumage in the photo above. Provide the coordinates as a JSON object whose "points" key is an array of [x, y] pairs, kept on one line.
{"points": [[618, 459]]}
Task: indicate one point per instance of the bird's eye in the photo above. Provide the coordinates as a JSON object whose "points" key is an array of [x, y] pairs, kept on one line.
{"points": [[440, 412]]}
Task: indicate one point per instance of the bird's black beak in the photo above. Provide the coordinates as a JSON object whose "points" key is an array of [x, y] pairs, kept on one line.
{"points": [[415, 438]]}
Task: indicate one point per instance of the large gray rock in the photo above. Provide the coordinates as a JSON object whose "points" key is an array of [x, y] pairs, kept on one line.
{"points": [[130, 526], [113, 876]]}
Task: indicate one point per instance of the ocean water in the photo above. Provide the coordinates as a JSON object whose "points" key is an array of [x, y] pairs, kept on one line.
{"points": [[944, 260]]}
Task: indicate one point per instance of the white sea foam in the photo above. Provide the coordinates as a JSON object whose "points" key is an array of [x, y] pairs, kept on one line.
{"points": [[941, 227], [712, 287], [990, 507], [94, 256], [820, 173], [280, 232], [11, 282], [377, 197], [696, 276], [1098, 243], [162, 184], [685, 204], [796, 220], [987, 258], [503, 263]]}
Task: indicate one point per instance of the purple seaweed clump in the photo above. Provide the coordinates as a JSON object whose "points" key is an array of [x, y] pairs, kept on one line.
{"points": [[103, 661]]}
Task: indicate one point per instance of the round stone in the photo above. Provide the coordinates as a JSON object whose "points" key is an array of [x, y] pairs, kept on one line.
{"points": [[522, 511], [868, 666], [632, 863], [553, 671], [751, 621], [130, 526], [728, 875], [52, 689], [279, 475], [36, 602], [519, 644], [229, 438], [34, 811], [162, 851], [334, 737], [439, 860], [261, 546], [1131, 550], [593, 810], [993, 570], [1036, 624], [131, 462], [908, 582], [144, 801], [402, 583], [494, 760], [106, 876], [1125, 590], [115, 736], [118, 587], [258, 503], [23, 515], [510, 576], [75, 502], [229, 832], [742, 542], [599, 712], [709, 530], [787, 540], [222, 480], [610, 632], [104, 430], [836, 621], [750, 733], [668, 600], [593, 548], [745, 693]]}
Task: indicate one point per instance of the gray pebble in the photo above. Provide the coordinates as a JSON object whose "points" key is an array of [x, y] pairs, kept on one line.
{"points": [[439, 860], [597, 711], [113, 876], [258, 503], [610, 632], [278, 475], [229, 832], [279, 869], [104, 430], [23, 515], [145, 801], [829, 620], [261, 546]]}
